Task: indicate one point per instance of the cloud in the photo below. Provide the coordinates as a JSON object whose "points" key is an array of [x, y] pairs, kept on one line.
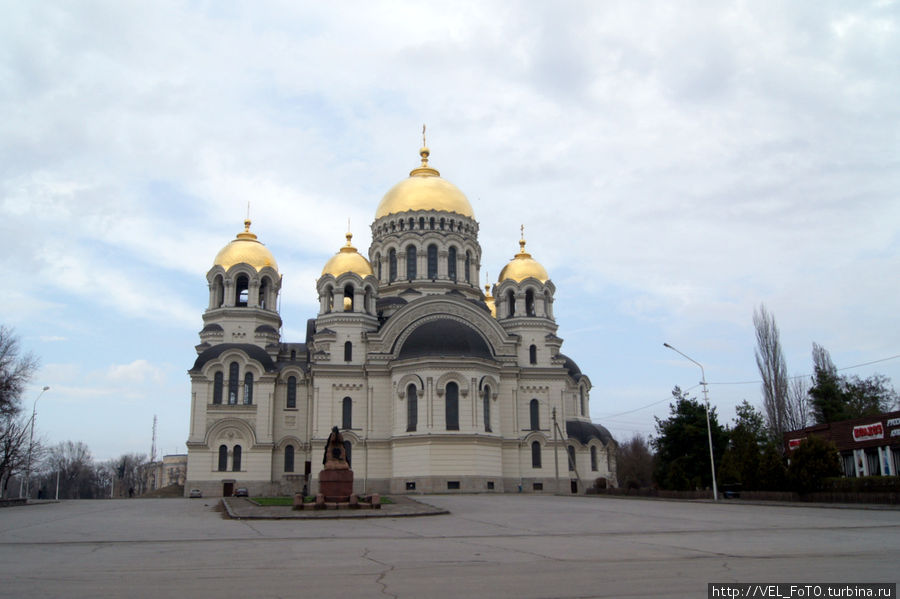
{"points": [[137, 372]]}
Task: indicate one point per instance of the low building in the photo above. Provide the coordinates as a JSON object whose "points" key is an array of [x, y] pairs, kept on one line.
{"points": [[868, 446], [171, 470]]}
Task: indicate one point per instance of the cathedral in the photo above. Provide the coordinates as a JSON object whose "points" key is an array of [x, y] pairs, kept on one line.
{"points": [[436, 385]]}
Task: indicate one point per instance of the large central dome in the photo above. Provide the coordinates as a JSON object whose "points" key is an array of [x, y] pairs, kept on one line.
{"points": [[424, 190]]}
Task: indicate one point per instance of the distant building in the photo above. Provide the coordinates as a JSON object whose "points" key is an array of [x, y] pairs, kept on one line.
{"points": [[171, 470], [868, 446], [435, 385]]}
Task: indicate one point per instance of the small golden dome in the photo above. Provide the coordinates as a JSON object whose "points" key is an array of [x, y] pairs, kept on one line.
{"points": [[245, 249], [347, 260], [424, 190], [523, 266]]}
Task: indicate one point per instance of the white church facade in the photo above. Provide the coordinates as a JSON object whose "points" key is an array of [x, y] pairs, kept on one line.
{"points": [[436, 385]]}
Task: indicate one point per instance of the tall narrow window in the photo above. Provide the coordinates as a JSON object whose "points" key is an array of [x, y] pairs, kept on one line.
{"points": [[218, 383], [219, 297], [581, 396], [248, 389], [392, 266], [348, 351], [378, 265], [451, 263], [594, 458], [412, 408], [292, 392], [529, 303], [348, 452], [223, 458], [468, 265], [289, 458], [236, 459], [571, 451], [532, 354], [432, 261], [347, 413], [233, 384], [263, 292], [411, 262], [452, 407], [486, 400], [511, 302], [348, 298], [535, 454], [534, 412], [242, 290]]}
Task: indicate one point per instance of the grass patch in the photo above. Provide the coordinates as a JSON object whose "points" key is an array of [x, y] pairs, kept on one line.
{"points": [[274, 500]]}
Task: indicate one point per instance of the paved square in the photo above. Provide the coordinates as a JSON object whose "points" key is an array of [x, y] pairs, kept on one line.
{"points": [[489, 546]]}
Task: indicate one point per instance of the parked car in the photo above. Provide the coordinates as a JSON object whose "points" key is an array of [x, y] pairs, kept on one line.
{"points": [[195, 493], [241, 492]]}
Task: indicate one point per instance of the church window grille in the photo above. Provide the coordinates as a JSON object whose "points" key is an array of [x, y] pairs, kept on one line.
{"points": [[452, 407], [412, 408], [486, 400], [232, 383], [348, 351], [532, 354], [292, 392], [392, 266], [534, 413], [432, 261], [535, 454], [571, 452], [289, 458], [451, 263], [347, 413], [348, 452], [594, 458], [217, 387], [223, 458], [529, 303], [411, 262], [236, 459], [248, 389], [511, 302], [242, 290]]}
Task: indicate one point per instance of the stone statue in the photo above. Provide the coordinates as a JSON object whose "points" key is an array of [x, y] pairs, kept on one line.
{"points": [[335, 457]]}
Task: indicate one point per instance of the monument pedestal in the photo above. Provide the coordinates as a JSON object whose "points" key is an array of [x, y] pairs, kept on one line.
{"points": [[336, 485]]}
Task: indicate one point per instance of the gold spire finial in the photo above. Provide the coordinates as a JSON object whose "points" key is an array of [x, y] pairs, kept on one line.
{"points": [[349, 236], [248, 210], [424, 145], [522, 239]]}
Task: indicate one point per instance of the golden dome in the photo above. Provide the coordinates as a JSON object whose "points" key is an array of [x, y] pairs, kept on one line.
{"points": [[245, 249], [424, 190], [523, 266], [347, 260]]}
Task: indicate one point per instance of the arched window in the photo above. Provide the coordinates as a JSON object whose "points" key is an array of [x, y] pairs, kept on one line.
{"points": [[348, 351], [412, 408], [348, 295], [293, 355], [581, 395], [421, 222], [535, 454], [236, 459], [392, 266], [571, 451], [594, 458], [432, 261], [534, 412], [487, 408], [292, 392], [411, 262], [378, 265], [347, 413], [468, 264], [219, 292], [432, 223], [263, 292], [233, 383], [451, 263], [348, 452], [451, 407], [532, 354], [289, 458], [529, 303], [248, 389], [223, 458], [242, 290], [511, 302], [218, 382]]}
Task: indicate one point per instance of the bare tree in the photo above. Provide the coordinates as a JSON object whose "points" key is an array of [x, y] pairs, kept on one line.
{"points": [[635, 463], [75, 465], [16, 370], [772, 369], [13, 447], [799, 412]]}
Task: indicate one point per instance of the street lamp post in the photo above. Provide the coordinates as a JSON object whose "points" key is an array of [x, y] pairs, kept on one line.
{"points": [[712, 462], [31, 443]]}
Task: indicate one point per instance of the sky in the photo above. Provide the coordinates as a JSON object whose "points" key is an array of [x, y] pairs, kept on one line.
{"points": [[675, 165]]}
